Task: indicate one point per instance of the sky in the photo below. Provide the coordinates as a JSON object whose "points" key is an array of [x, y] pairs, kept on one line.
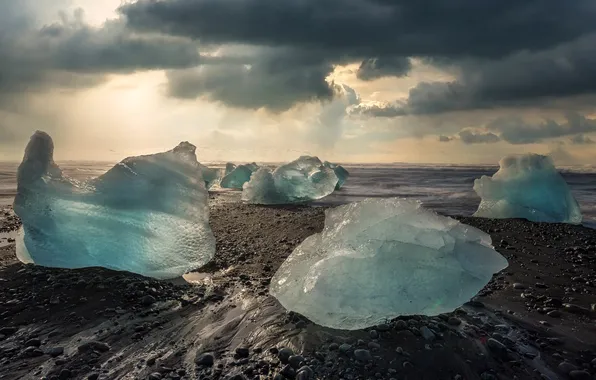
{"points": [[428, 81]]}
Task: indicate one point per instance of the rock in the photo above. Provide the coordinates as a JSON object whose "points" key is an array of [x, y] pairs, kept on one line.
{"points": [[55, 351], [207, 359], [295, 361], [401, 325], [374, 346], [65, 374], [284, 355], [148, 300], [496, 346], [454, 321], [363, 355], [333, 346], [580, 375], [154, 376], [304, 373], [427, 334], [32, 352], [575, 309], [7, 331], [243, 352], [288, 372], [554, 314], [383, 327], [345, 348], [33, 342], [373, 334], [566, 367], [93, 376], [519, 286], [94, 346]]}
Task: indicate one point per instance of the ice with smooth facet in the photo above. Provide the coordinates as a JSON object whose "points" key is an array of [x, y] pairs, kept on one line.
{"points": [[305, 179], [229, 168], [238, 176], [530, 187], [341, 173], [147, 214], [382, 258]]}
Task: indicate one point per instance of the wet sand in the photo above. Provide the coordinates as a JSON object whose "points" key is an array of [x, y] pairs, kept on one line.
{"points": [[535, 320]]}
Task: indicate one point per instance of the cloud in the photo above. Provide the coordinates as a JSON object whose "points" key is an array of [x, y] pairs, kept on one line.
{"points": [[469, 137], [581, 140], [266, 79], [516, 131], [520, 79], [372, 28], [71, 53], [375, 68]]}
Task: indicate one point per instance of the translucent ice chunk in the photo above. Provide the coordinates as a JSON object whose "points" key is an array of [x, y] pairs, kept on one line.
{"points": [[381, 258], [302, 180], [229, 168], [210, 175], [527, 186], [148, 214], [240, 175], [341, 173]]}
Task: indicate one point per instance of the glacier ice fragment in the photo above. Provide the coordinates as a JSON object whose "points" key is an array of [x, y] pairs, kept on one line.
{"points": [[238, 176], [527, 186], [305, 179], [229, 168], [341, 173], [210, 175], [381, 258], [147, 214]]}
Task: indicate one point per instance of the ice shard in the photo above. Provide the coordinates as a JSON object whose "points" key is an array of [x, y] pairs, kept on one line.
{"points": [[240, 175], [527, 186], [341, 173], [305, 179], [147, 215], [382, 258], [210, 175], [229, 168]]}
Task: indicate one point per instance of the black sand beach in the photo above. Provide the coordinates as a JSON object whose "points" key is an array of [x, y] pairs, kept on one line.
{"points": [[535, 320]]}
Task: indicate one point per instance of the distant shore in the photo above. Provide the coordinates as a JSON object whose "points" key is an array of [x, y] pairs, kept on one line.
{"points": [[537, 317]]}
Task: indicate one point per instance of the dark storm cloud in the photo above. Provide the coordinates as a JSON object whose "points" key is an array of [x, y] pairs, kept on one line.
{"points": [[270, 82], [375, 68], [517, 131], [469, 137], [582, 140], [372, 28], [73, 54], [526, 78]]}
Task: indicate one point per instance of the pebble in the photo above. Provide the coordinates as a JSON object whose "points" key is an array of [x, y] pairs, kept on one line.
{"points": [[65, 374], [373, 334], [242, 352], [426, 333], [383, 327], [566, 367], [154, 376], [284, 355], [333, 347], [148, 300], [345, 348], [304, 373], [363, 355], [55, 351], [288, 372], [580, 375], [454, 321], [519, 286], [554, 314], [94, 346], [295, 361], [374, 346], [206, 359], [496, 346], [401, 325], [93, 376]]}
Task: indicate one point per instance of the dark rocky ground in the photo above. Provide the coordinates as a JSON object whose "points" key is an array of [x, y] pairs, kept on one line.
{"points": [[535, 320]]}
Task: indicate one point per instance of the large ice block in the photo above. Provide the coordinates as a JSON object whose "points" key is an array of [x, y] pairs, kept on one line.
{"points": [[527, 186], [238, 176], [305, 179], [147, 215], [341, 173], [382, 258]]}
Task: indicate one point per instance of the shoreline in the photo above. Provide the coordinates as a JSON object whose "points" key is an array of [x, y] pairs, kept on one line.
{"points": [[160, 329]]}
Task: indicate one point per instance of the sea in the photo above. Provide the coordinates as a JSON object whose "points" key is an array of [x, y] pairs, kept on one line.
{"points": [[446, 189]]}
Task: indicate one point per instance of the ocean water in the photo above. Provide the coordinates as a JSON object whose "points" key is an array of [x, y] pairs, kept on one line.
{"points": [[445, 189]]}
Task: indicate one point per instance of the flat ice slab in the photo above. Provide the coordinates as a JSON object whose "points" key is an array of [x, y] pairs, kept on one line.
{"points": [[147, 215], [382, 258]]}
